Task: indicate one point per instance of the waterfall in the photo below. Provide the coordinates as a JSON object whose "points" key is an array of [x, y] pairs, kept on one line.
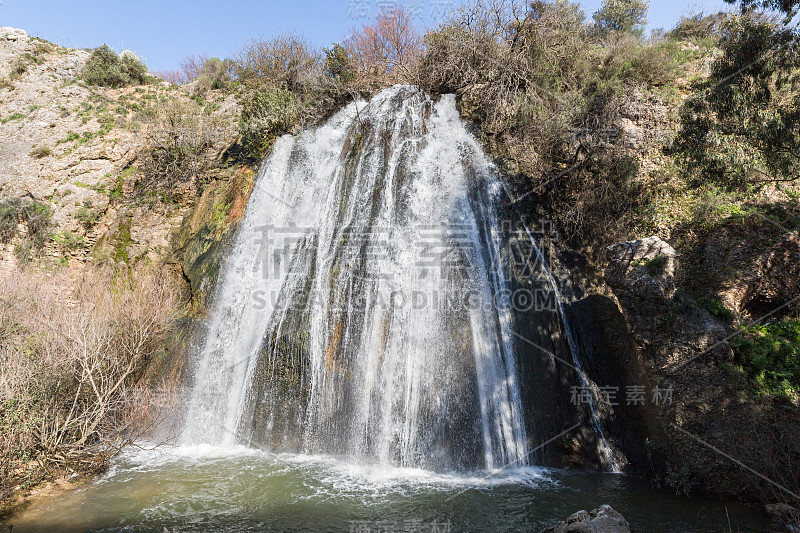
{"points": [[359, 312]]}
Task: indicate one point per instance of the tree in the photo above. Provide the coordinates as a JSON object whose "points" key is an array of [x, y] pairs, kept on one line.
{"points": [[286, 62], [623, 16], [338, 66], [789, 8], [742, 124], [388, 50]]}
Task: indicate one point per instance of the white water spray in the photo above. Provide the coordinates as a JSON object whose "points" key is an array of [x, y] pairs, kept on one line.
{"points": [[356, 314]]}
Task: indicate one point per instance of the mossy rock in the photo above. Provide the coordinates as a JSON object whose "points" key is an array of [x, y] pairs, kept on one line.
{"points": [[202, 242]]}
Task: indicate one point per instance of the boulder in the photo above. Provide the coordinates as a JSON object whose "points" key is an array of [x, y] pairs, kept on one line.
{"points": [[644, 269], [631, 133], [13, 34], [775, 285], [604, 519]]}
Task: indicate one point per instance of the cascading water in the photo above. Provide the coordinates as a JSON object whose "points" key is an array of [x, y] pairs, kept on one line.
{"points": [[606, 452], [358, 312]]}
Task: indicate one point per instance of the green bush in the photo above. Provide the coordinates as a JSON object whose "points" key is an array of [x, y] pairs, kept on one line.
{"points": [[68, 242], [216, 74], [107, 69], [338, 65], [715, 307], [741, 126], [770, 357], [37, 217], [87, 216], [266, 114], [9, 218], [629, 59], [655, 266], [623, 16]]}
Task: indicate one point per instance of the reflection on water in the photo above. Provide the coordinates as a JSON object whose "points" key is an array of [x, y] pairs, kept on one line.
{"points": [[208, 489]]}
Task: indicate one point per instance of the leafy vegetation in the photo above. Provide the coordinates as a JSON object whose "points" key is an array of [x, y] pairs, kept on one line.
{"points": [[266, 114], [37, 217], [742, 124], [769, 355], [338, 65], [624, 16], [107, 69]]}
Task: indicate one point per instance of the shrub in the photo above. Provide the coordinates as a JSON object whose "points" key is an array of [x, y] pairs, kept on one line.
{"points": [[681, 481], [742, 125], [286, 62], [715, 307], [216, 74], [181, 143], [699, 27], [40, 152], [267, 114], [87, 216], [107, 69], [212, 72], [769, 355], [9, 218], [627, 58], [37, 217], [72, 353], [655, 266], [623, 16], [338, 65]]}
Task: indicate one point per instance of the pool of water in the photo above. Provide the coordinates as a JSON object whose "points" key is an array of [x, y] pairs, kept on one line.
{"points": [[211, 489]]}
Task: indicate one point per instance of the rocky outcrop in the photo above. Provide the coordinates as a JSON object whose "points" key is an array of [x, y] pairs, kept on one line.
{"points": [[75, 149], [13, 34], [643, 269], [774, 288], [684, 349], [604, 519], [610, 360]]}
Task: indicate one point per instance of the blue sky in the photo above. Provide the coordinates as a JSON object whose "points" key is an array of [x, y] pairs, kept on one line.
{"points": [[165, 31]]}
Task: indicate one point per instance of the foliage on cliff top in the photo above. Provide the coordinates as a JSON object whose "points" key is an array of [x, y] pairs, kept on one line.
{"points": [[741, 125], [108, 69]]}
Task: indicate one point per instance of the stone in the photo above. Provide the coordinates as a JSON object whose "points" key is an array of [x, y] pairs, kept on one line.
{"points": [[631, 268], [604, 519], [631, 133], [13, 34]]}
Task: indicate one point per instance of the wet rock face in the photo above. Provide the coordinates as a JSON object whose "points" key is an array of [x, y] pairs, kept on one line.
{"points": [[604, 519], [609, 358], [775, 285]]}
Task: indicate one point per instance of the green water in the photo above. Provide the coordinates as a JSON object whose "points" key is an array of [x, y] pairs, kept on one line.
{"points": [[206, 489]]}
